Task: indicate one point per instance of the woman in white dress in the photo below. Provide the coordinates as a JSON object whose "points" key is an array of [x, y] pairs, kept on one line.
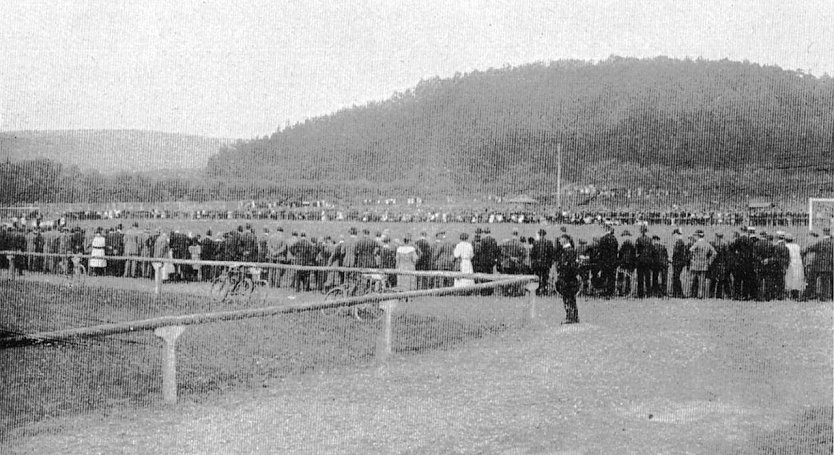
{"points": [[464, 252], [97, 251], [407, 257], [795, 274]]}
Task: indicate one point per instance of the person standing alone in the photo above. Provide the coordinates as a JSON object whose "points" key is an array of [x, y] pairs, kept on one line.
{"points": [[567, 267]]}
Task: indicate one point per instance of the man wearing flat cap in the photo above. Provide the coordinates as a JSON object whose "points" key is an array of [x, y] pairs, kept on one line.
{"points": [[542, 256], [680, 259], [820, 268], [719, 271], [702, 256]]}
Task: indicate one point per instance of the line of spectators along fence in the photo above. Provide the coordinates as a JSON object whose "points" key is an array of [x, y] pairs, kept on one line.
{"points": [[667, 218], [752, 266]]}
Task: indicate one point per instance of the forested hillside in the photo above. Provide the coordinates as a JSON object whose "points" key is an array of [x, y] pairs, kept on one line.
{"points": [[696, 128]]}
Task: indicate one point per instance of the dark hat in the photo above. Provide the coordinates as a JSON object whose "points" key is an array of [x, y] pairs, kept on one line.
{"points": [[279, 229], [699, 232], [655, 237], [677, 231]]}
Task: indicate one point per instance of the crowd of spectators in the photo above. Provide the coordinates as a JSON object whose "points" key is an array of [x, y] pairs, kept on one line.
{"points": [[752, 265]]}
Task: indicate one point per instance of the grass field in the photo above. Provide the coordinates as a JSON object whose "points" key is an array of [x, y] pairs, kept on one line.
{"points": [[471, 375]]}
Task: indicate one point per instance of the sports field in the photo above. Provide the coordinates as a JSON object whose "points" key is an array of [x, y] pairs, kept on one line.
{"points": [[469, 375]]}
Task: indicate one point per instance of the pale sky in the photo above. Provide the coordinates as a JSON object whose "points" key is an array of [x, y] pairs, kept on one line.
{"points": [[239, 69]]}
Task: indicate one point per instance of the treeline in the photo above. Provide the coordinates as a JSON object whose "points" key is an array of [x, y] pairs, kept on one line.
{"points": [[47, 181], [698, 128]]}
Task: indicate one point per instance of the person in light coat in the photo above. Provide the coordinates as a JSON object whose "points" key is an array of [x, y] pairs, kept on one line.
{"points": [[464, 252], [795, 273]]}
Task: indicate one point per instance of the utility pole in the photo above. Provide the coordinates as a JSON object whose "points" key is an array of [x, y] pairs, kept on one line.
{"points": [[559, 176]]}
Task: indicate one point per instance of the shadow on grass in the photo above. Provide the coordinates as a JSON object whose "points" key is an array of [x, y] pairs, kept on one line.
{"points": [[811, 432], [100, 374]]}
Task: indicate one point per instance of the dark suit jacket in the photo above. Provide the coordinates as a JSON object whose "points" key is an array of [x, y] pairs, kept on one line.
{"points": [[366, 251], [425, 260]]}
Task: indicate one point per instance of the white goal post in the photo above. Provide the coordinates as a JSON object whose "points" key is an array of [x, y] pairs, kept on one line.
{"points": [[824, 211]]}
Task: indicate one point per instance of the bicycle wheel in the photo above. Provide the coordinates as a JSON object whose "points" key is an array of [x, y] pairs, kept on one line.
{"points": [[246, 288], [333, 294], [219, 289], [370, 311]]}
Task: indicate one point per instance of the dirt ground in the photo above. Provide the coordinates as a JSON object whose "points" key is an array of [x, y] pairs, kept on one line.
{"points": [[651, 376]]}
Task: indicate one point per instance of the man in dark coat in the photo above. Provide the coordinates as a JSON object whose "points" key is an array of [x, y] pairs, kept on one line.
{"points": [[487, 254], [645, 258], [765, 258], [367, 251], [719, 270], [231, 245], [780, 266], [208, 253], [744, 269], [680, 259], [249, 245], [542, 256], [303, 253], [626, 263], [424, 251], [607, 256], [443, 259], [567, 284], [660, 268], [822, 266]]}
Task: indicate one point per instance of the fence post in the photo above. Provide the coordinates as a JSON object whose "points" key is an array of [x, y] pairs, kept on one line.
{"points": [[157, 276], [531, 288], [169, 361], [10, 258], [385, 350]]}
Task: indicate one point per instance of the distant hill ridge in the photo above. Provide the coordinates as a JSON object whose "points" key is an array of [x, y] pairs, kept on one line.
{"points": [[709, 130], [111, 151]]}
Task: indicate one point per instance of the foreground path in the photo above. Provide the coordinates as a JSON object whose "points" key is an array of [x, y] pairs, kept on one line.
{"points": [[643, 377]]}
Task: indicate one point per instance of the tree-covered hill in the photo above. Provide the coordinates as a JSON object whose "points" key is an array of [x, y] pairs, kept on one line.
{"points": [[699, 129]]}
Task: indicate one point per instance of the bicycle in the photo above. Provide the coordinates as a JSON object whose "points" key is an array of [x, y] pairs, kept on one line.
{"points": [[356, 286], [231, 284], [74, 277]]}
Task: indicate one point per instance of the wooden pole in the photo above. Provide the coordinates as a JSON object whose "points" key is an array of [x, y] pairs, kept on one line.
{"points": [[169, 361], [10, 258], [559, 176]]}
